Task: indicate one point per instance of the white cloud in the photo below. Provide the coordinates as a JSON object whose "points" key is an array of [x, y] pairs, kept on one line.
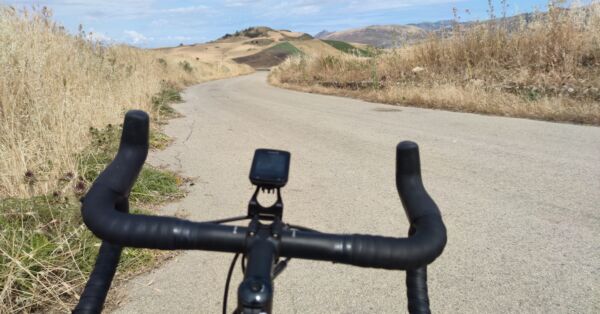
{"points": [[239, 3], [99, 36], [185, 10], [93, 9], [137, 38], [377, 5], [159, 22], [290, 8], [294, 8], [307, 9], [286, 8], [180, 38]]}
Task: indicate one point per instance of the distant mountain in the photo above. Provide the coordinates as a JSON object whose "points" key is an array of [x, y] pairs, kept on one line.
{"points": [[322, 34], [434, 26], [384, 36], [389, 36]]}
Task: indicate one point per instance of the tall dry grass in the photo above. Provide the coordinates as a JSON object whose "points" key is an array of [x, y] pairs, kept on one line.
{"points": [[541, 66], [57, 93], [55, 86]]}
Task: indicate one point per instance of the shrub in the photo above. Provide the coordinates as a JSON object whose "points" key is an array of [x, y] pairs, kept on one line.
{"points": [[186, 66]]}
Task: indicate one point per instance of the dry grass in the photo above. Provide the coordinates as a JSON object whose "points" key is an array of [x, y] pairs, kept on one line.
{"points": [[58, 92], [55, 86], [46, 252], [546, 68]]}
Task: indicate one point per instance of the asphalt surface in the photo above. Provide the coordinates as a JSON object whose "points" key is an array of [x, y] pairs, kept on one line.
{"points": [[520, 199]]}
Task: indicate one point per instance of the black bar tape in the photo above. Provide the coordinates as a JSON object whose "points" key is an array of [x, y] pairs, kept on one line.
{"points": [[416, 284], [95, 291]]}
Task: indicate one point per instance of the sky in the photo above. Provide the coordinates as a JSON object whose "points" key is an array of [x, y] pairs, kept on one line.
{"points": [[153, 23]]}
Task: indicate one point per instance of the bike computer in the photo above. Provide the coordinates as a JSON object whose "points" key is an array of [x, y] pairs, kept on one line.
{"points": [[270, 168]]}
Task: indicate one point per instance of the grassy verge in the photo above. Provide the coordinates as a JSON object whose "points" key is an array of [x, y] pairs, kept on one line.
{"points": [[55, 85], [59, 95], [46, 252], [152, 186], [541, 66], [161, 102]]}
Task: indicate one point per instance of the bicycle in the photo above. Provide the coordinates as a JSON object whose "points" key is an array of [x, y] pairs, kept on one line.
{"points": [[267, 243]]}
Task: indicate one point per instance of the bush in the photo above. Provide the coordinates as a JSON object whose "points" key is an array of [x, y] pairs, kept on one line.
{"points": [[161, 102], [186, 66]]}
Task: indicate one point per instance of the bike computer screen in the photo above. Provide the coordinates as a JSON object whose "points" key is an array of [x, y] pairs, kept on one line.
{"points": [[270, 168]]}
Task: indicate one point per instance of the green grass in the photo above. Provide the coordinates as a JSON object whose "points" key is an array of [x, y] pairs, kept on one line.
{"points": [[152, 186], [161, 103], [348, 48], [285, 48], [159, 140], [46, 252], [156, 186], [43, 244]]}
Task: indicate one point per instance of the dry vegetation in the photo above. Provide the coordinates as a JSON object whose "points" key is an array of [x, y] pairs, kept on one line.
{"points": [[54, 87], [546, 68], [58, 93]]}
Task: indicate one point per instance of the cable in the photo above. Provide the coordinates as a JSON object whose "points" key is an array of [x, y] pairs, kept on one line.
{"points": [[302, 228], [226, 293], [280, 267], [243, 263], [221, 221]]}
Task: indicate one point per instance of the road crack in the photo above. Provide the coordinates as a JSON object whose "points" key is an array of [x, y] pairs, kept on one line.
{"points": [[191, 131]]}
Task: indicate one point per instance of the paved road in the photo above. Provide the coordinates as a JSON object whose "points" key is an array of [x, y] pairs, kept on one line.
{"points": [[520, 198]]}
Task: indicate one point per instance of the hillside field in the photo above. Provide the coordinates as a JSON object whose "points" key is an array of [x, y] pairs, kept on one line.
{"points": [[262, 47]]}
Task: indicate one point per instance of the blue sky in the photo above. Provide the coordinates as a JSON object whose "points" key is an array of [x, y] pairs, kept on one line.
{"points": [[149, 23]]}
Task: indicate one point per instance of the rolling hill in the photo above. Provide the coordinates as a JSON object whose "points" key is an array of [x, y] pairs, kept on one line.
{"points": [[384, 36], [262, 47], [395, 35]]}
